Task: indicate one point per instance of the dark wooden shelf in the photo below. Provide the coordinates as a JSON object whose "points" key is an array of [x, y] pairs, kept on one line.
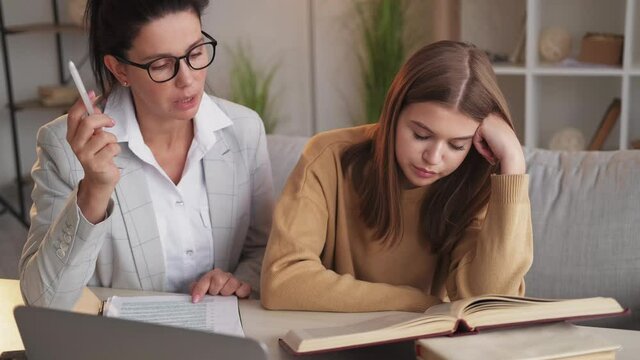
{"points": [[35, 104], [46, 28]]}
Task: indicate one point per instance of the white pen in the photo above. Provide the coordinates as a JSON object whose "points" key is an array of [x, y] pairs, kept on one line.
{"points": [[83, 92], [80, 86]]}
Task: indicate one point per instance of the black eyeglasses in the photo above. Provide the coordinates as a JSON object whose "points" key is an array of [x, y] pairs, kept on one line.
{"points": [[166, 68]]}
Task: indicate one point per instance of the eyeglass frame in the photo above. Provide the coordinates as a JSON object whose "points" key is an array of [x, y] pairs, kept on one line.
{"points": [[178, 59]]}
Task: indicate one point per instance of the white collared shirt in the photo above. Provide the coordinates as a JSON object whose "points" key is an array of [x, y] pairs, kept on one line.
{"points": [[182, 210]]}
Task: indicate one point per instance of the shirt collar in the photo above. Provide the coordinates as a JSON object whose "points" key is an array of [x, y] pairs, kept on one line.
{"points": [[209, 119]]}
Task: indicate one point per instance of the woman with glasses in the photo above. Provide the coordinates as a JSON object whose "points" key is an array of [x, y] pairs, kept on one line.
{"points": [[164, 187], [428, 205]]}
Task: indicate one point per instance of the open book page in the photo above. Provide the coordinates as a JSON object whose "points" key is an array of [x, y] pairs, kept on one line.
{"points": [[551, 341], [460, 308], [490, 310], [218, 314], [519, 310], [395, 325]]}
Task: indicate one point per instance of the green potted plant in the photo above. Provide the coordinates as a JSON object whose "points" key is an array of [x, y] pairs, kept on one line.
{"points": [[382, 25], [251, 87]]}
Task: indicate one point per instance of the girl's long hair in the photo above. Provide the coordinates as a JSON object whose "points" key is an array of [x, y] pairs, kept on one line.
{"points": [[453, 74]]}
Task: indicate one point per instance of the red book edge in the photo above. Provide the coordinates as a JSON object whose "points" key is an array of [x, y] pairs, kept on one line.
{"points": [[462, 329]]}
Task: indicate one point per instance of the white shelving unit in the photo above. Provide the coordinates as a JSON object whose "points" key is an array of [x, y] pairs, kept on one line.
{"points": [[545, 98]]}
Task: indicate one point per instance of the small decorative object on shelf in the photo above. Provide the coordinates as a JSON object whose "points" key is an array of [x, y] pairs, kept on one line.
{"points": [[517, 55], [57, 95], [555, 44], [608, 120], [600, 48], [75, 10], [567, 139]]}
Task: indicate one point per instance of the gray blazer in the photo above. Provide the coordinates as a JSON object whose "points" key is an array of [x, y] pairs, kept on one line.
{"points": [[64, 252]]}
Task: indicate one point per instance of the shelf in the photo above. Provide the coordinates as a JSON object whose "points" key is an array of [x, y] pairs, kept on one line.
{"points": [[34, 104], [551, 70], [578, 102], [46, 28], [576, 71], [503, 69], [545, 97]]}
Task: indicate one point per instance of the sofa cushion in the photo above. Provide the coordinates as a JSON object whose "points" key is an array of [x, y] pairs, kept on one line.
{"points": [[284, 152], [586, 227]]}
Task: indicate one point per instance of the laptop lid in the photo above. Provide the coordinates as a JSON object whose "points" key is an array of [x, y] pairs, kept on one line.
{"points": [[56, 334]]}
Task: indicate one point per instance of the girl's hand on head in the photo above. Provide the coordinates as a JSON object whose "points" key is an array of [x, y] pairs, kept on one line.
{"points": [[497, 143], [218, 282]]}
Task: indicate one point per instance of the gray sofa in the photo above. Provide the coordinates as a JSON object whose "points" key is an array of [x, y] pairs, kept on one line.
{"points": [[586, 222]]}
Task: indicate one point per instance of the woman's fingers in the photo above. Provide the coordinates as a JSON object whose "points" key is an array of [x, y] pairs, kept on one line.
{"points": [[230, 287], [211, 282], [77, 113], [218, 282], [244, 290], [96, 142], [90, 126]]}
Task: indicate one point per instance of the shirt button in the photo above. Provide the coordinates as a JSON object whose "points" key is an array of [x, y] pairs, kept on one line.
{"points": [[189, 252], [61, 253], [180, 203]]}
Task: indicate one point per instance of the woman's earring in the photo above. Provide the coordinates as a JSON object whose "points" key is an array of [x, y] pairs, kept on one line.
{"points": [[125, 83]]}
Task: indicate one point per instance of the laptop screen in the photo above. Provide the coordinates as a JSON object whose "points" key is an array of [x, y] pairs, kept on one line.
{"points": [[56, 334]]}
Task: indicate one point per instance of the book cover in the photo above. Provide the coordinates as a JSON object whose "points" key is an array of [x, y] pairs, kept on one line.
{"points": [[549, 341]]}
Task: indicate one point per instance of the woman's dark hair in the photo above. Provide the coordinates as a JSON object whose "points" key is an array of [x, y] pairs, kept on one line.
{"points": [[114, 24], [453, 74]]}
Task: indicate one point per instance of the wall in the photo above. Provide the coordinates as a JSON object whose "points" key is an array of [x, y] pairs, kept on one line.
{"points": [[314, 44]]}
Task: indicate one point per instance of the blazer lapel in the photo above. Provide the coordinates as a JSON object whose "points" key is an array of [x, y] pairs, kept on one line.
{"points": [[220, 179], [134, 200]]}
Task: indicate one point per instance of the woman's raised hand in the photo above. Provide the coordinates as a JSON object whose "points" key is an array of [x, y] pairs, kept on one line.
{"points": [[95, 149]]}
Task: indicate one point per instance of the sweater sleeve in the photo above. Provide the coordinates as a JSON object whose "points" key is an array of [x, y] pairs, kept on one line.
{"points": [[293, 274], [496, 251]]}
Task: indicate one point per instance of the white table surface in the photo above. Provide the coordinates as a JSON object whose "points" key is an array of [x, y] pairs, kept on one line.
{"points": [[266, 326]]}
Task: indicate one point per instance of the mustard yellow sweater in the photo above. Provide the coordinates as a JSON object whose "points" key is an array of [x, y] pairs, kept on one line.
{"points": [[322, 257]]}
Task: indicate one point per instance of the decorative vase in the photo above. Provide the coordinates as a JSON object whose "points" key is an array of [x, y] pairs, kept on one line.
{"points": [[555, 44], [568, 139]]}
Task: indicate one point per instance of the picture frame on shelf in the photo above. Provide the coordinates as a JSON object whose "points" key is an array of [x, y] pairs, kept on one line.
{"points": [[606, 124]]}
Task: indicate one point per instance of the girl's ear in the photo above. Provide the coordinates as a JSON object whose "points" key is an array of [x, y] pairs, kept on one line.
{"points": [[117, 69]]}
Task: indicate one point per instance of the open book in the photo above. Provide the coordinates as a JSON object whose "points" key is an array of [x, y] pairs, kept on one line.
{"points": [[459, 317]]}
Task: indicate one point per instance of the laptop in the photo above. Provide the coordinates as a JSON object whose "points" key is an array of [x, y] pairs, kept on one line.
{"points": [[57, 334]]}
